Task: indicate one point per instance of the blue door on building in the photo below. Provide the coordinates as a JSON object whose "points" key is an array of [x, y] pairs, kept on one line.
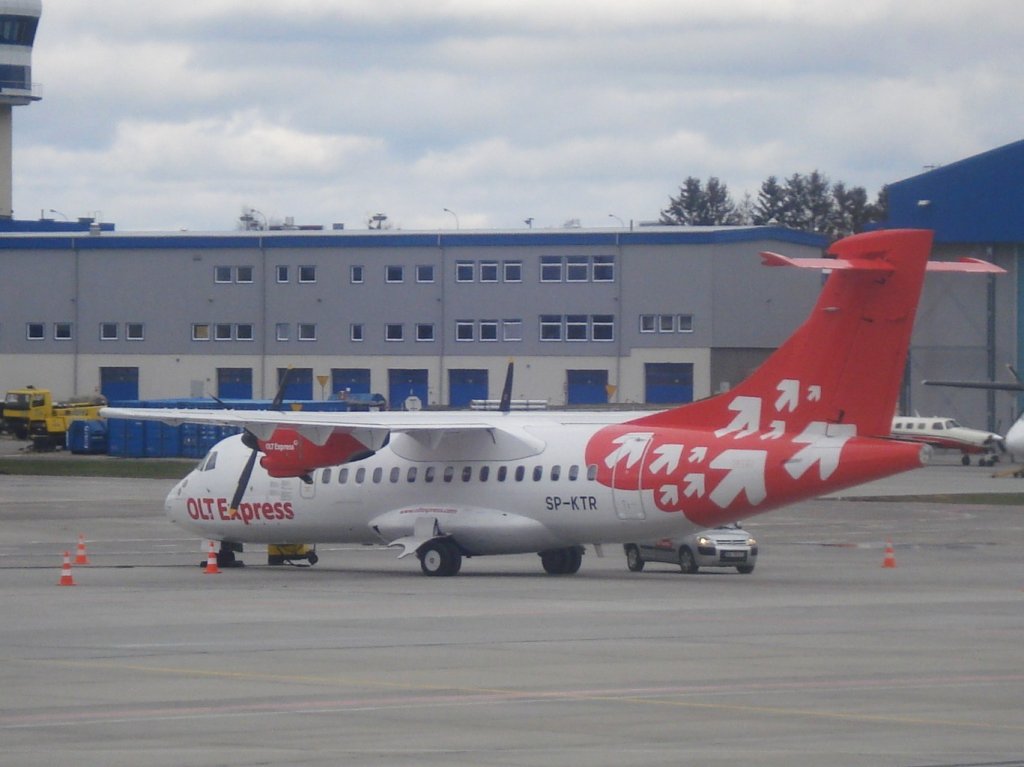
{"points": [[404, 383], [300, 382], [668, 383], [234, 383], [119, 384], [465, 385], [587, 387], [351, 380]]}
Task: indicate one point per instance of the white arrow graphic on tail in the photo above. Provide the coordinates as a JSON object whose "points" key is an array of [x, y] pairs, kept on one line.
{"points": [[789, 394], [669, 495], [698, 454], [694, 485], [745, 475], [775, 430], [668, 458], [747, 420], [814, 393], [630, 446], [824, 445]]}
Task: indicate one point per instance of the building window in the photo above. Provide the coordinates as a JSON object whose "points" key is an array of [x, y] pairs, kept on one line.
{"points": [[666, 323], [604, 268], [465, 271], [243, 332], [355, 274], [685, 323], [394, 274], [35, 331], [222, 331], [135, 331], [62, 331], [576, 327], [425, 273], [648, 323], [550, 269], [283, 331], [355, 332], [488, 330], [200, 332], [108, 331], [424, 331], [465, 330], [394, 331], [513, 271], [577, 269], [550, 327], [243, 274], [307, 331], [282, 273], [307, 274], [602, 327], [222, 274], [488, 271], [511, 330]]}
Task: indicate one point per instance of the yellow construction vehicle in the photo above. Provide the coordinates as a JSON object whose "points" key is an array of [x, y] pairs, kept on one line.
{"points": [[31, 413]]}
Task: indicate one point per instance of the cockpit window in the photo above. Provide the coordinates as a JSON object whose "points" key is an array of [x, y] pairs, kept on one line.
{"points": [[210, 462]]}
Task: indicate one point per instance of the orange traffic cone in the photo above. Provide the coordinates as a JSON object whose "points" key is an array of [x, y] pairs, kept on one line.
{"points": [[65, 572], [890, 555], [211, 562], [81, 558]]}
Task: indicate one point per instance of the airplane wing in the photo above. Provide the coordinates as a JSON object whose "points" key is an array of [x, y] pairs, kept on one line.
{"points": [[965, 264], [990, 385]]}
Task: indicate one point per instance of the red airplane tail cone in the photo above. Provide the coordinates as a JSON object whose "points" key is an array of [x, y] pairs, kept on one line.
{"points": [[211, 562], [81, 557], [66, 578], [890, 555]]}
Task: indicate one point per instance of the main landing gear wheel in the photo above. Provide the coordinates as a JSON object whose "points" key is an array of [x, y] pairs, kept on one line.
{"points": [[440, 557], [562, 561], [634, 561]]}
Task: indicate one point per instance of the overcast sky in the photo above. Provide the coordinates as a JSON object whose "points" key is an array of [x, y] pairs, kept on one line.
{"points": [[167, 115]]}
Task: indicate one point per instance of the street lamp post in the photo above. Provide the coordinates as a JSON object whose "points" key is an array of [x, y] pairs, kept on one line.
{"points": [[456, 215]]}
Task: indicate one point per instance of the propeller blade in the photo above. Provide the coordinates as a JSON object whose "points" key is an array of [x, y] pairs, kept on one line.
{"points": [[279, 397], [243, 483], [505, 405]]}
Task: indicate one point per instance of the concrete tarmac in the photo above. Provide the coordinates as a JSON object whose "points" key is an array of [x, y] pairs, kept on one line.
{"points": [[821, 656]]}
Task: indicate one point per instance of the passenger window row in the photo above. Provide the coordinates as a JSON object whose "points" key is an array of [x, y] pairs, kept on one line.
{"points": [[428, 474]]}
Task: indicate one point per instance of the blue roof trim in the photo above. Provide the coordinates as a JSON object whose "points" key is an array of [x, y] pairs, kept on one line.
{"points": [[570, 238]]}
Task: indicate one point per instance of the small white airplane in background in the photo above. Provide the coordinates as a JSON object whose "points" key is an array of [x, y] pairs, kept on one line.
{"points": [[947, 434], [814, 418], [1013, 442]]}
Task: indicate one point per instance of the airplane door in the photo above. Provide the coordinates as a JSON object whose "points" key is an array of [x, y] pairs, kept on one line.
{"points": [[626, 476]]}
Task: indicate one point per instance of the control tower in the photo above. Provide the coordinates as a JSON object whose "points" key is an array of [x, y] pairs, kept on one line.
{"points": [[18, 22]]}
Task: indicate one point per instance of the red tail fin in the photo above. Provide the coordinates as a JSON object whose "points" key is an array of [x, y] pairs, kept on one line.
{"points": [[845, 363]]}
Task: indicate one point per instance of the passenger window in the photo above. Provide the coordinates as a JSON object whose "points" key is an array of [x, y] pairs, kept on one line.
{"points": [[467, 473], [342, 476], [360, 476], [574, 472], [411, 476], [485, 472], [326, 478], [378, 475], [428, 474], [395, 473], [520, 473], [449, 473], [502, 473], [538, 473], [556, 472], [592, 472]]}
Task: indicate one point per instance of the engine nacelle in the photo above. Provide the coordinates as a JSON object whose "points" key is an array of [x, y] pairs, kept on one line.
{"points": [[288, 454]]}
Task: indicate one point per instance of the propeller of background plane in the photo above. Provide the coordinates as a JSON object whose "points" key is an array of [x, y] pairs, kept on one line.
{"points": [[252, 442]]}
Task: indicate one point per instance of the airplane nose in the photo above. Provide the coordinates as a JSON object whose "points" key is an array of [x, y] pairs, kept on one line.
{"points": [[174, 503]]}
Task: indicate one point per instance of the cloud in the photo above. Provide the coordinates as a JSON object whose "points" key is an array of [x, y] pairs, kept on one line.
{"points": [[177, 114]]}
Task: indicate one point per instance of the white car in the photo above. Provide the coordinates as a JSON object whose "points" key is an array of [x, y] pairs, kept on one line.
{"points": [[726, 546]]}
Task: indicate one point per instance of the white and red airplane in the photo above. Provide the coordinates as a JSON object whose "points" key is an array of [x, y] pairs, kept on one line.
{"points": [[814, 418], [947, 434]]}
